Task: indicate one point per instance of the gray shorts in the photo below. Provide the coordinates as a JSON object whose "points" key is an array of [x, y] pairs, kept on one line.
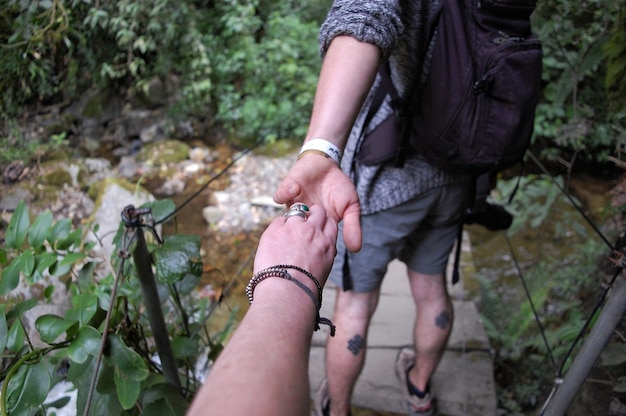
{"points": [[421, 233]]}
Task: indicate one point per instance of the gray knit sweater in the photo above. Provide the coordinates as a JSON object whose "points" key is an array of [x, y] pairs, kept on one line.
{"points": [[394, 26]]}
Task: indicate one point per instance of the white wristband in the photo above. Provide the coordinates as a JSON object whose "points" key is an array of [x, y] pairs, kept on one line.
{"points": [[323, 146]]}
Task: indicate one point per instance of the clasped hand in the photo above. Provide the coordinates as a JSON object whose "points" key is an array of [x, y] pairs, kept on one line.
{"points": [[307, 243], [315, 180]]}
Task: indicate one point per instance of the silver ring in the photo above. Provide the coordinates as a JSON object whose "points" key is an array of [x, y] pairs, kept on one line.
{"points": [[294, 213], [298, 209]]}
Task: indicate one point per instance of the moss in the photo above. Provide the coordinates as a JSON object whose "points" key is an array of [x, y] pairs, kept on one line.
{"points": [[279, 148], [82, 177], [59, 153], [58, 177], [96, 190], [95, 104], [161, 153]]}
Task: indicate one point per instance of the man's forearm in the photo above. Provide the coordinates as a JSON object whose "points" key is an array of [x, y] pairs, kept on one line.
{"points": [[347, 74]]}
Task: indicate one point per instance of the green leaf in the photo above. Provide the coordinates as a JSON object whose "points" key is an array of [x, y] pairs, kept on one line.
{"points": [[73, 329], [161, 208], [58, 269], [125, 360], [188, 284], [84, 307], [163, 400], [613, 355], [18, 227], [20, 308], [50, 327], [4, 257], [29, 387], [177, 257], [103, 292], [60, 231], [48, 292], [73, 239], [43, 261], [59, 403], [127, 390], [10, 278], [86, 275], [87, 343], [621, 386], [40, 229], [72, 258], [26, 260], [81, 376], [4, 329], [15, 339], [106, 380], [184, 347]]}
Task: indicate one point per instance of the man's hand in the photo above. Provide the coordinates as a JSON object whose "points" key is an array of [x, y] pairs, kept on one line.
{"points": [[317, 180]]}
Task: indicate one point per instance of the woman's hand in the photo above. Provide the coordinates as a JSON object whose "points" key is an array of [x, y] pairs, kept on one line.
{"points": [[307, 243]]}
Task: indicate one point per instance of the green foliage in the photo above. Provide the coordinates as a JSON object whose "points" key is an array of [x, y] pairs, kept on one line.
{"points": [[252, 65], [266, 87], [15, 147], [615, 49], [41, 251], [558, 282], [572, 121], [535, 196], [31, 34]]}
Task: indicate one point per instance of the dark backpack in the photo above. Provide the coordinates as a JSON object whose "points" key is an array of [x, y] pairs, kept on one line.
{"points": [[472, 107], [474, 112]]}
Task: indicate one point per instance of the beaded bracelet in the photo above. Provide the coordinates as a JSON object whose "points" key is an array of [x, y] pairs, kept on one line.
{"points": [[280, 271]]}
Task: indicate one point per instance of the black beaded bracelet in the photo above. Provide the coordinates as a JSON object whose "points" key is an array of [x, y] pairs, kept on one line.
{"points": [[280, 271]]}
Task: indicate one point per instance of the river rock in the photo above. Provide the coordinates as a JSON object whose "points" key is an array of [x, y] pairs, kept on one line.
{"points": [[171, 187], [164, 152], [113, 195], [11, 197], [245, 204]]}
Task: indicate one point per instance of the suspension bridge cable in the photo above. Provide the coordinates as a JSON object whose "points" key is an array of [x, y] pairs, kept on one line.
{"points": [[601, 298], [606, 241], [211, 180], [574, 203], [530, 300], [595, 310], [565, 388]]}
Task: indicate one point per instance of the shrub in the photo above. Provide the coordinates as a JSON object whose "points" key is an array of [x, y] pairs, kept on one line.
{"points": [[105, 322]]}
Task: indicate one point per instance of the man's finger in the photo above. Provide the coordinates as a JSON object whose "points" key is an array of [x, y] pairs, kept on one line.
{"points": [[352, 231]]}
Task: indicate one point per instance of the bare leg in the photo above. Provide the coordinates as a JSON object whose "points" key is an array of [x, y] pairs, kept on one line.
{"points": [[432, 325], [345, 352]]}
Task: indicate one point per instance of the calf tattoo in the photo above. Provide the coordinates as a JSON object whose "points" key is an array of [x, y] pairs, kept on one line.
{"points": [[356, 344], [443, 320]]}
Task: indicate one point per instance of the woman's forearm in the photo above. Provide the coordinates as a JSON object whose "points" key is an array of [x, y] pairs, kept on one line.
{"points": [[264, 370]]}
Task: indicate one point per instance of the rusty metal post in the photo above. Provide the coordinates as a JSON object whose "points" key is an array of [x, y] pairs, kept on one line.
{"points": [[141, 256]]}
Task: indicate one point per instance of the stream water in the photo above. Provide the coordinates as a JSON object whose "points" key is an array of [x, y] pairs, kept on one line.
{"points": [[558, 237]]}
